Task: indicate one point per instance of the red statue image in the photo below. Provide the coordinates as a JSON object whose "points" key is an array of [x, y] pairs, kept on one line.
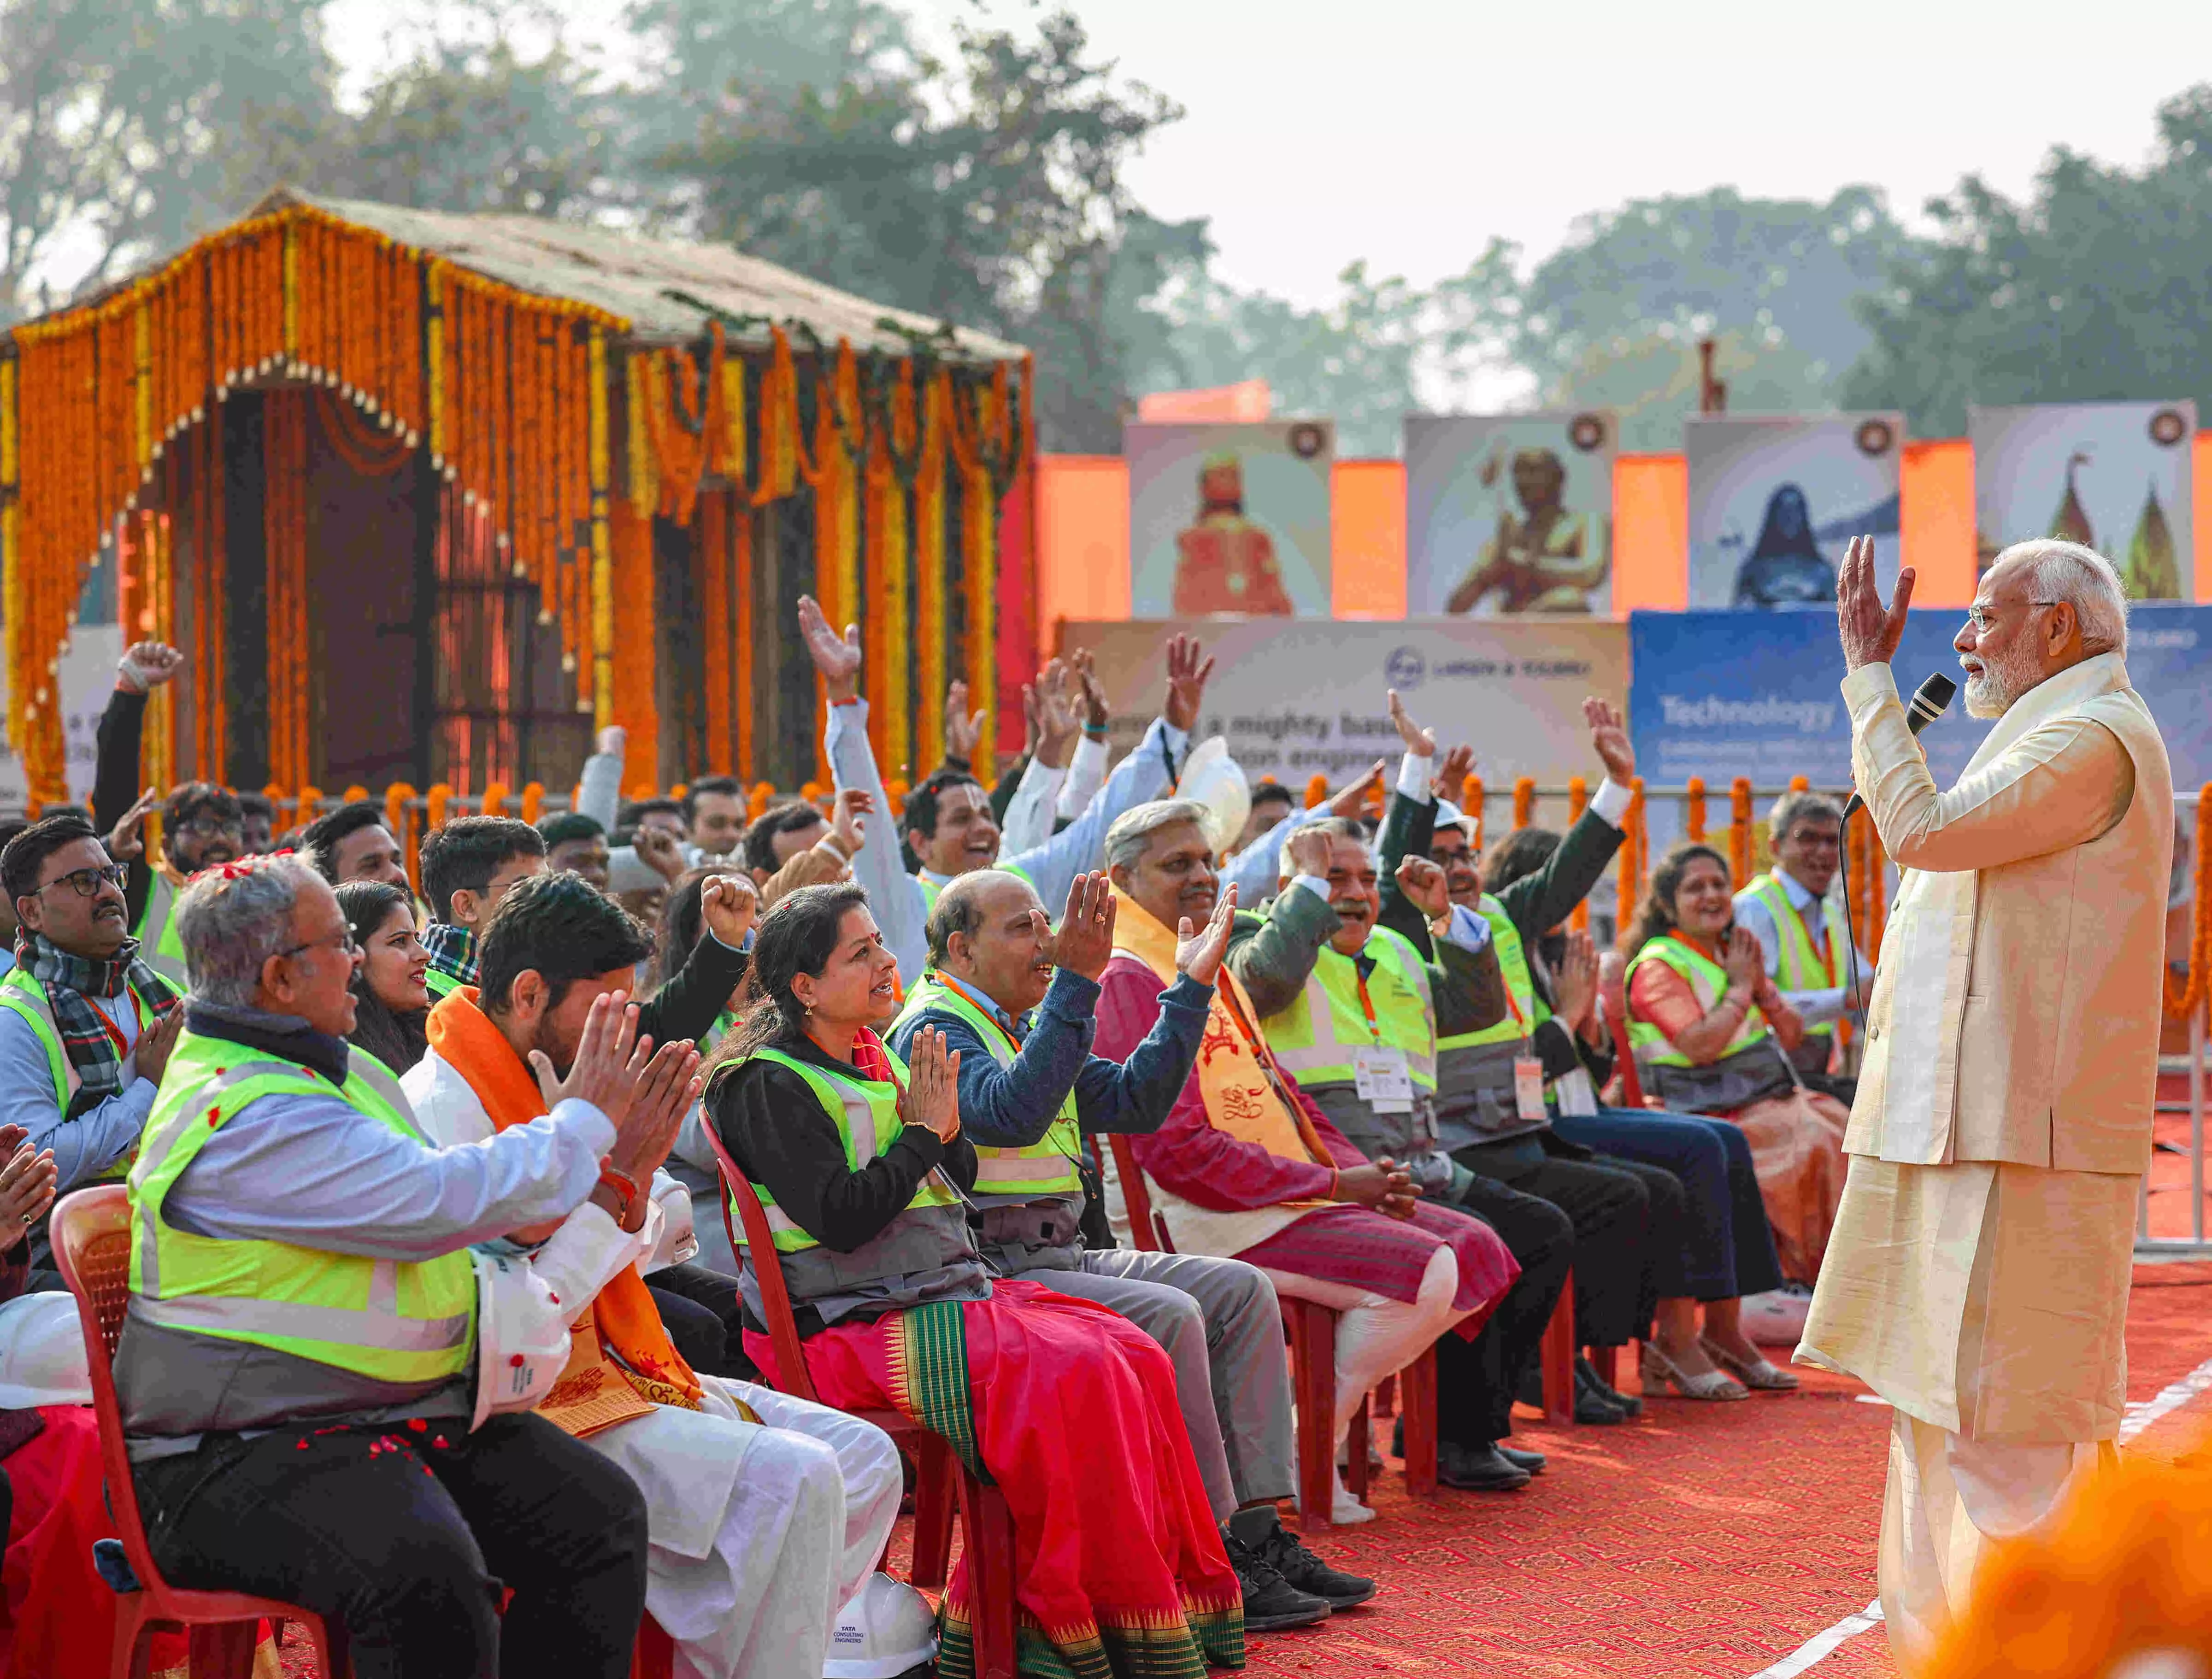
{"points": [[1224, 562]]}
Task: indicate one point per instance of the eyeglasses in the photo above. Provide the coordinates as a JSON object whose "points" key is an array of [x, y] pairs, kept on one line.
{"points": [[1981, 619], [212, 827], [343, 939], [86, 881]]}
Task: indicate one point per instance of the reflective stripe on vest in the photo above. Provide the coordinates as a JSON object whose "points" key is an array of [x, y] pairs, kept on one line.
{"points": [[1046, 1166], [865, 1113], [1525, 1012], [158, 942], [1315, 1038], [1708, 980], [23, 995], [388, 1320], [440, 985], [1798, 966]]}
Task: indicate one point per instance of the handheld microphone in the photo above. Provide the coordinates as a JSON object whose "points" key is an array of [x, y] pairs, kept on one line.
{"points": [[1933, 698]]}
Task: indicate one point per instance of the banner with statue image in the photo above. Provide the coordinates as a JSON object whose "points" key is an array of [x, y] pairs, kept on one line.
{"points": [[1774, 500], [1509, 514], [2114, 476], [1229, 519]]}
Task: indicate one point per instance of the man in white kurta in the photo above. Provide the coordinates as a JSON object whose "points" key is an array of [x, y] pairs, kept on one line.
{"points": [[1977, 1276]]}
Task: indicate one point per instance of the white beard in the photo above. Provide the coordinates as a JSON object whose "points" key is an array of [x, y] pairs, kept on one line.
{"points": [[2002, 682]]}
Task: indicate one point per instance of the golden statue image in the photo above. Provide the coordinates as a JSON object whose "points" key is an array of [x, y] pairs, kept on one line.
{"points": [[1224, 562], [1544, 559]]}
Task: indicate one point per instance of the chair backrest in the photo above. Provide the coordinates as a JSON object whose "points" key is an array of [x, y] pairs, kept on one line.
{"points": [[1146, 1227], [1632, 1087], [758, 1252], [91, 1236]]}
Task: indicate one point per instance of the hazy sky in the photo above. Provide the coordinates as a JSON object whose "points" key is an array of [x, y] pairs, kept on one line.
{"points": [[1409, 132]]}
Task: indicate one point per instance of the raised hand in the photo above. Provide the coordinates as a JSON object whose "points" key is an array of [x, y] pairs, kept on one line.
{"points": [[1053, 728], [1869, 630], [1609, 739], [666, 1090], [1575, 980], [147, 665], [1423, 883], [1307, 851], [126, 840], [728, 904], [837, 657], [1421, 742], [610, 1059], [932, 1097], [852, 805], [1086, 941], [1452, 774], [963, 728], [1085, 665], [611, 742], [657, 848], [1187, 679], [1199, 952], [1352, 799]]}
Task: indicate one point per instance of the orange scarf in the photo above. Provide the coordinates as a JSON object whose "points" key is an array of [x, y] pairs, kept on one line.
{"points": [[628, 1323]]}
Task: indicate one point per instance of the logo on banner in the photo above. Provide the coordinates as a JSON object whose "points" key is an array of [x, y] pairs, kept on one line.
{"points": [[1406, 669]]}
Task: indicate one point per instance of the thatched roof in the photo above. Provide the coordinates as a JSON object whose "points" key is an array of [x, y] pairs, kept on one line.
{"points": [[667, 289]]}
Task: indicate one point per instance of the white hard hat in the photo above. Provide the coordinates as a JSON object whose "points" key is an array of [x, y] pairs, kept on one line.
{"points": [[885, 1631], [42, 1354], [1450, 815], [1214, 779], [522, 1336]]}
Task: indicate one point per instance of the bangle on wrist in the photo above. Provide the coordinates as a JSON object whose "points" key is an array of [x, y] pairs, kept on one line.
{"points": [[626, 1190], [1334, 1176], [1097, 732]]}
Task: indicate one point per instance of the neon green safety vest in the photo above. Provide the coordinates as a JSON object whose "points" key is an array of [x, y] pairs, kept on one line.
{"points": [[1526, 1011], [1798, 966], [159, 942], [1046, 1166], [1314, 1038], [865, 1114], [23, 995], [387, 1320], [439, 984], [1709, 980]]}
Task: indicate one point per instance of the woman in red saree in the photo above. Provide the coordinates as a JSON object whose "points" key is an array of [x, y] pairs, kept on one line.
{"points": [[1070, 1410]]}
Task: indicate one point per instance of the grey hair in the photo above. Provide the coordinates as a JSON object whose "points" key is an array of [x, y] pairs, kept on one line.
{"points": [[1130, 837], [2085, 580], [1792, 808], [231, 925], [1337, 827]]}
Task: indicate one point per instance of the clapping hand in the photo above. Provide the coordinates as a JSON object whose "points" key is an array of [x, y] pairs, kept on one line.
{"points": [[1198, 952], [838, 658], [1086, 665], [1053, 724], [666, 1088], [1744, 959], [963, 728], [1575, 979], [1086, 941], [1870, 630], [932, 1097], [610, 1059], [28, 1182]]}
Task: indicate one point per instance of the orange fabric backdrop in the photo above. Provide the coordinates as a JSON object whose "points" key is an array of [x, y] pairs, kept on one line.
{"points": [[1083, 540], [1367, 539], [1937, 490], [1650, 532]]}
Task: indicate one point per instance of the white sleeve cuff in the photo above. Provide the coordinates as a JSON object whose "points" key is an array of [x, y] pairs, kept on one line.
{"points": [[1468, 931], [1610, 802], [1415, 773], [1313, 883]]}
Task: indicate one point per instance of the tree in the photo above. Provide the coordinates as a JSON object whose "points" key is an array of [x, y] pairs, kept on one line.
{"points": [[114, 117], [2099, 287], [1653, 381]]}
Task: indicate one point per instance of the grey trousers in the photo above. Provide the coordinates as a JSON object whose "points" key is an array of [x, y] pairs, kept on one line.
{"points": [[1219, 1322]]}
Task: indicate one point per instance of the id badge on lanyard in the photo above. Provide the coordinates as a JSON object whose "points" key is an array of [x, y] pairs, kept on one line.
{"points": [[1381, 1074], [1527, 1071]]}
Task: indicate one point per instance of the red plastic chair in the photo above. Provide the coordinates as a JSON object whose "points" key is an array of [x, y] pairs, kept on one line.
{"points": [[92, 1244], [1311, 1332], [939, 1473]]}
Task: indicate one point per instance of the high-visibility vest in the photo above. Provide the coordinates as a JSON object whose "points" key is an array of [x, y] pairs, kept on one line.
{"points": [[23, 995], [158, 942], [439, 984], [1046, 1166], [1525, 1011], [1798, 965], [865, 1113], [385, 1320], [1708, 980], [1315, 1038]]}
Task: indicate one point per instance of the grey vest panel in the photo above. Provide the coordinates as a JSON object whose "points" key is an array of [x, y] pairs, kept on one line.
{"points": [[1474, 1094], [923, 1254], [173, 1385], [1731, 1082], [1403, 1137], [1033, 1235]]}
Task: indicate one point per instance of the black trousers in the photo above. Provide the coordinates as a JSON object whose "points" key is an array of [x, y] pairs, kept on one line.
{"points": [[1477, 1379], [704, 1318], [407, 1538]]}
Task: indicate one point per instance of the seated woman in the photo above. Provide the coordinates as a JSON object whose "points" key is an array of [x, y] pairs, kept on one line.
{"points": [[391, 1001], [1712, 1035], [1070, 1408]]}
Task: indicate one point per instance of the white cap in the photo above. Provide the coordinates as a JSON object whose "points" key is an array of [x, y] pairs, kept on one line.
{"points": [[42, 1359], [887, 1630], [1449, 815]]}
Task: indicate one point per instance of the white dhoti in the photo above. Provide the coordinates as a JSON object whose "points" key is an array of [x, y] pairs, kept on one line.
{"points": [[758, 1531]]}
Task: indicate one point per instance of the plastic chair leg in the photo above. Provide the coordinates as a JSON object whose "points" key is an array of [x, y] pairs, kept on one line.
{"points": [[1358, 1446], [133, 1656], [224, 1649], [1559, 1358], [936, 1482], [1313, 1374], [1385, 1400], [991, 1576], [1417, 1397]]}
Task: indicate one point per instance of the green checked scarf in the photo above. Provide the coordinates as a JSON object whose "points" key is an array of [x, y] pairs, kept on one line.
{"points": [[71, 982]]}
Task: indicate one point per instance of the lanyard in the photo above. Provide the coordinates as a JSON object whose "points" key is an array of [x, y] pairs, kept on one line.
{"points": [[114, 1033], [1368, 1005], [990, 1011]]}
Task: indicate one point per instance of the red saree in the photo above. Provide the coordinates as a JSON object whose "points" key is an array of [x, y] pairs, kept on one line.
{"points": [[1071, 1410]]}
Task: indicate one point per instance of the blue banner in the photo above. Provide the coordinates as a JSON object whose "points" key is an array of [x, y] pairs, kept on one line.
{"points": [[1723, 694]]}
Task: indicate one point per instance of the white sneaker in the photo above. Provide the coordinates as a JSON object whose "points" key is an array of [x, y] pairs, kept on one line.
{"points": [[1345, 1510]]}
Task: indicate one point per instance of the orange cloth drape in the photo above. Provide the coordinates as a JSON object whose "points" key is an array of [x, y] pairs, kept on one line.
{"points": [[290, 635], [633, 704], [1367, 539], [1936, 491]]}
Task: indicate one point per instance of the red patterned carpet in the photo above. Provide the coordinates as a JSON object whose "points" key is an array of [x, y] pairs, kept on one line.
{"points": [[1702, 1540]]}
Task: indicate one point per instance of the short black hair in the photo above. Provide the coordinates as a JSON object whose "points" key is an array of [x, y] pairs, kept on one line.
{"points": [[467, 852], [724, 784], [1519, 854], [920, 810], [256, 804], [26, 853], [195, 798], [561, 927], [1267, 790], [320, 838], [563, 826], [367, 904], [634, 813], [758, 848]]}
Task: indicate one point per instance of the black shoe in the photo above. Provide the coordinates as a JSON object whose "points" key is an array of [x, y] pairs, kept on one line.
{"points": [[1283, 1551], [1271, 1603], [1479, 1468], [1586, 1375], [1532, 1462]]}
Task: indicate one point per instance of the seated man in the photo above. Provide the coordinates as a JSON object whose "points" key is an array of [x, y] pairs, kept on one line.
{"points": [[1246, 1167], [1806, 936], [86, 1027], [352, 844], [554, 946], [469, 864], [295, 1372], [1021, 1007], [948, 818]]}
